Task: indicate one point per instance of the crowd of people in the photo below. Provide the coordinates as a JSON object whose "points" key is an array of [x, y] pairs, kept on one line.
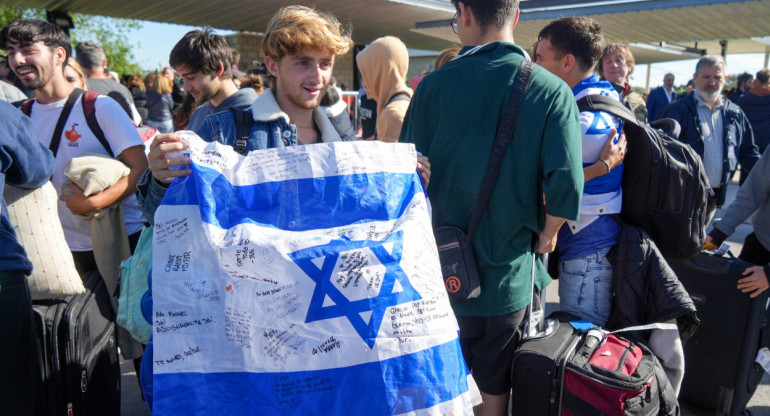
{"points": [[561, 180]]}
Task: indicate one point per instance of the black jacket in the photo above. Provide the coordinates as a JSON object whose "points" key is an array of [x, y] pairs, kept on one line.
{"points": [[646, 289], [757, 109], [737, 134]]}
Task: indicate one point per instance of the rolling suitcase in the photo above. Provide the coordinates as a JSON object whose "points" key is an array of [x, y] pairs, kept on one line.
{"points": [[574, 372], [559, 369], [78, 367], [720, 369]]}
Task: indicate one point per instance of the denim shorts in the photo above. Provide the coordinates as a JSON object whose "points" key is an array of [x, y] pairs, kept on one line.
{"points": [[585, 287]]}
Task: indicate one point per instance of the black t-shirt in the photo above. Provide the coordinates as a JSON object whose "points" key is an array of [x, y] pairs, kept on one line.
{"points": [[367, 112]]}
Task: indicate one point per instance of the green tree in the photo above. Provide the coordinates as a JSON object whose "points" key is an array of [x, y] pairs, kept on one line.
{"points": [[111, 33], [114, 41]]}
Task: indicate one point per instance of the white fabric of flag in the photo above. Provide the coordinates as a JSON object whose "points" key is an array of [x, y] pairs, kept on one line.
{"points": [[302, 281]]}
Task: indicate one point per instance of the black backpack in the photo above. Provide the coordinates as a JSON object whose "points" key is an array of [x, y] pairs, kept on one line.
{"points": [[665, 187], [243, 123]]}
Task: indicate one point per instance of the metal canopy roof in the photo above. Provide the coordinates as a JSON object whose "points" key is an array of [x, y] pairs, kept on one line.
{"points": [[423, 24], [658, 30]]}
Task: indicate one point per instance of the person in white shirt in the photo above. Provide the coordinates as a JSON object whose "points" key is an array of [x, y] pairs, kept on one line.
{"points": [[660, 97], [37, 51]]}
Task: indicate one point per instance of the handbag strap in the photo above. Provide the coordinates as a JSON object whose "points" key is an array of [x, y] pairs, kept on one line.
{"points": [[502, 139], [63, 116]]}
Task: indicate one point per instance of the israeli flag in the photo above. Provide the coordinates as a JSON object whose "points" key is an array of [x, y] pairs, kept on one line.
{"points": [[302, 281]]}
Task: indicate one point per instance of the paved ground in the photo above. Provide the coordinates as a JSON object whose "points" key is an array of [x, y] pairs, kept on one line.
{"points": [[132, 404]]}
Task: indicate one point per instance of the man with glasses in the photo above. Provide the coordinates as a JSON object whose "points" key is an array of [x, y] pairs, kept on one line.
{"points": [[543, 160]]}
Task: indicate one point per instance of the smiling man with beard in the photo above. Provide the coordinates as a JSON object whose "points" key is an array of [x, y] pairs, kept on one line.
{"points": [[716, 128], [37, 52]]}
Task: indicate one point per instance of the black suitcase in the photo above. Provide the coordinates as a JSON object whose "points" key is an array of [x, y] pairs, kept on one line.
{"points": [[720, 369], [79, 370], [574, 372], [540, 395]]}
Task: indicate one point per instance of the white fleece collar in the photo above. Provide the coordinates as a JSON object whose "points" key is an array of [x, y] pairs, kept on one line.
{"points": [[266, 109]]}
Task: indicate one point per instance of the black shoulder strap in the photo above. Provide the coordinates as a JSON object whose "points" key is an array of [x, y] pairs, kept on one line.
{"points": [[63, 116], [608, 105], [89, 109], [502, 139], [398, 97], [243, 124]]}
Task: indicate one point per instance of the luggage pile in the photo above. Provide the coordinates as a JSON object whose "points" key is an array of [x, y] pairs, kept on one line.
{"points": [[720, 359], [78, 371], [586, 371]]}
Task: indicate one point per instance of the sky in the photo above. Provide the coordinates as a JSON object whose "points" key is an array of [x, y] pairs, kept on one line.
{"points": [[683, 70], [154, 41]]}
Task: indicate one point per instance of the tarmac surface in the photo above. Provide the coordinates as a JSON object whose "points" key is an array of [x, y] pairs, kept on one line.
{"points": [[133, 405]]}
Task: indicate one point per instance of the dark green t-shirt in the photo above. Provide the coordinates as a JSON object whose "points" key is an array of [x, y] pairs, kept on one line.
{"points": [[453, 119]]}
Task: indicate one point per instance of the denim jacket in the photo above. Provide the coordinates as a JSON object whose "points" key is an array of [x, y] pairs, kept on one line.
{"points": [[271, 129]]}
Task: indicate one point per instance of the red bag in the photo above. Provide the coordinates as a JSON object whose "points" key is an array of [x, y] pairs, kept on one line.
{"points": [[612, 376]]}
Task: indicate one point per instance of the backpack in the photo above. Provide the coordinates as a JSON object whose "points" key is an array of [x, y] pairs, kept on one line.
{"points": [[665, 188], [243, 123], [89, 109]]}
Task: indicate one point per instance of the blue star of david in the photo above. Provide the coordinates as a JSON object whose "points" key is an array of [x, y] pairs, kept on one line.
{"points": [[343, 307]]}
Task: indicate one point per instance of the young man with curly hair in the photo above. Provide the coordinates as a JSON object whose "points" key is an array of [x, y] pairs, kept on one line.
{"points": [[300, 47]]}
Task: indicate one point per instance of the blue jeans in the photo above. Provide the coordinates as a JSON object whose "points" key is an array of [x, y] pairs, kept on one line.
{"points": [[163, 126], [585, 287]]}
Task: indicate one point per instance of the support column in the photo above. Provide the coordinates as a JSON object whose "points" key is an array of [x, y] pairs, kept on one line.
{"points": [[647, 82], [723, 43]]}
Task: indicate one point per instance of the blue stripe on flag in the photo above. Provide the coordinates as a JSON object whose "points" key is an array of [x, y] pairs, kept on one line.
{"points": [[326, 202], [397, 385]]}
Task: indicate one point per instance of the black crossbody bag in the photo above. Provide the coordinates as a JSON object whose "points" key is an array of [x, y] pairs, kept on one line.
{"points": [[455, 248]]}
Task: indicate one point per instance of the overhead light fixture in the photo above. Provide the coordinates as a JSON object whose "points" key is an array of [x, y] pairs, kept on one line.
{"points": [[60, 18]]}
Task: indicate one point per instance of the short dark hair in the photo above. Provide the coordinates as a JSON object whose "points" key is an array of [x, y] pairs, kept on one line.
{"points": [[89, 55], [580, 37], [742, 78], [28, 31], [763, 76], [490, 12], [203, 50]]}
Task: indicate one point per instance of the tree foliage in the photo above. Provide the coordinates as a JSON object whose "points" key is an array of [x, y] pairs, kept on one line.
{"points": [[111, 33]]}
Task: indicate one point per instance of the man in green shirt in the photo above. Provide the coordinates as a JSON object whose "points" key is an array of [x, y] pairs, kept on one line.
{"points": [[453, 119]]}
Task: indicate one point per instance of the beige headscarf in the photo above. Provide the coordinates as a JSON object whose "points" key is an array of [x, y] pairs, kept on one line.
{"points": [[384, 65]]}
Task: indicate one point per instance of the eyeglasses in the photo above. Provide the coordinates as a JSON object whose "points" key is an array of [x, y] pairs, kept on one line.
{"points": [[453, 22]]}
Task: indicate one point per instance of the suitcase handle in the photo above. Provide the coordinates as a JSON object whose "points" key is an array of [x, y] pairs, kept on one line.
{"points": [[535, 324]]}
